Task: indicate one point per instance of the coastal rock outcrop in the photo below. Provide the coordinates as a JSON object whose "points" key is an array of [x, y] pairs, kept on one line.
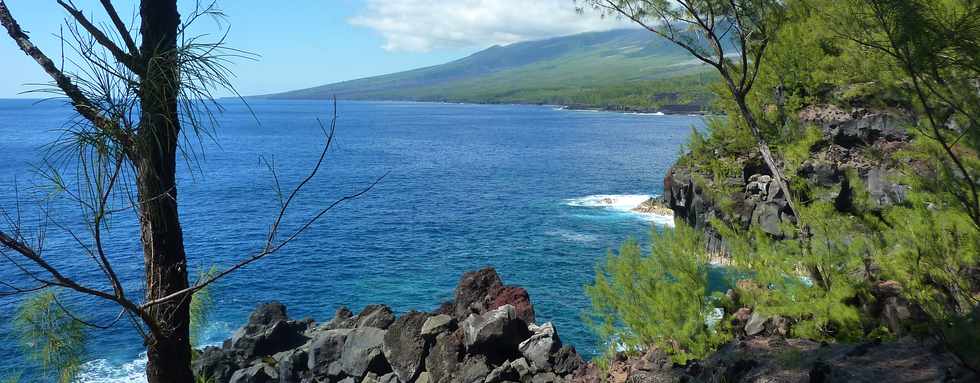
{"points": [[493, 343], [778, 359], [859, 142]]}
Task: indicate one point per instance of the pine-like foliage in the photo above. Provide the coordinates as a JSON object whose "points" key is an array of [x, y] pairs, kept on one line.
{"points": [[660, 300], [50, 337]]}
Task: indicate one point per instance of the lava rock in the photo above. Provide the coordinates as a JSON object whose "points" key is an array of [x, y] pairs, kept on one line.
{"points": [[539, 348], [503, 373], [343, 318], [215, 364], [473, 290], [497, 333], [325, 351], [257, 373], [567, 360], [404, 346], [363, 353], [377, 316], [291, 365], [473, 370], [756, 324], [438, 324], [268, 332], [517, 297], [444, 356]]}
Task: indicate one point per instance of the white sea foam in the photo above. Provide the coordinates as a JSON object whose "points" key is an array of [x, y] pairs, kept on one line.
{"points": [[134, 371], [571, 236], [622, 203], [104, 371]]}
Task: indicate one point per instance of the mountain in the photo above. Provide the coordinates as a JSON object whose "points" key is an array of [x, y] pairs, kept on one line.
{"points": [[627, 69]]}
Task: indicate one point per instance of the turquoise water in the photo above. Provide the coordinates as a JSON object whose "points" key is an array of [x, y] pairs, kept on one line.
{"points": [[536, 192]]}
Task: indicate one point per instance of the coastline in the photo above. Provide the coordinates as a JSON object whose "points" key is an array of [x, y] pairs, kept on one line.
{"points": [[667, 110]]}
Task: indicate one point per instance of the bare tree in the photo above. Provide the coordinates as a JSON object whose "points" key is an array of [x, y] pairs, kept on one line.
{"points": [[707, 29], [138, 98]]}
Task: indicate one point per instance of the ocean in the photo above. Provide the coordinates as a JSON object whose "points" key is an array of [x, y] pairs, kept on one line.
{"points": [[538, 192]]}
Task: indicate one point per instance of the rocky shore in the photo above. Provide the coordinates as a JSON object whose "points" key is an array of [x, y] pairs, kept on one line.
{"points": [[487, 334]]}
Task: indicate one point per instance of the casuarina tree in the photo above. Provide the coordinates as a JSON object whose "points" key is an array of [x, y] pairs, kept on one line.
{"points": [[139, 97]]}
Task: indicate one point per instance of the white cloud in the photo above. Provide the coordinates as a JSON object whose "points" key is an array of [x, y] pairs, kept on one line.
{"points": [[424, 25]]}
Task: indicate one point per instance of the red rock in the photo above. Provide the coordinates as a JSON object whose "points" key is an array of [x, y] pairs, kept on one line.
{"points": [[473, 292], [517, 297]]}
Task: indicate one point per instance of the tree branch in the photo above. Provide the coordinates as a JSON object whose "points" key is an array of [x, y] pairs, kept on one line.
{"points": [[121, 28], [82, 104], [103, 40]]}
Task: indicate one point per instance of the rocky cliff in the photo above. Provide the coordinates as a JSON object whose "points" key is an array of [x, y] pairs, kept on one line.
{"points": [[859, 140]]}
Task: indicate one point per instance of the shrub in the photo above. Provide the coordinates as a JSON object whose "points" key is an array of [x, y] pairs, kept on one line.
{"points": [[661, 300]]}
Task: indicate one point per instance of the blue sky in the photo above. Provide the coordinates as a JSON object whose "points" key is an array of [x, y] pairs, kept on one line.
{"points": [[304, 43]]}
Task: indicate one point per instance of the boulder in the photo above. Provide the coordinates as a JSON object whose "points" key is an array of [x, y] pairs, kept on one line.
{"points": [[444, 356], [474, 369], [378, 316], [291, 365], [546, 377], [424, 377], [388, 378], [497, 333], [268, 332], [404, 346], [541, 346], [566, 361], [257, 373], [522, 367], [438, 324], [343, 318], [766, 216], [267, 313], [215, 364], [325, 351], [517, 297], [503, 373], [473, 290], [756, 324], [363, 353]]}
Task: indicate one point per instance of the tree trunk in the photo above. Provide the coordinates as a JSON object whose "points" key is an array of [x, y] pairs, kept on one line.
{"points": [[169, 348], [763, 146]]}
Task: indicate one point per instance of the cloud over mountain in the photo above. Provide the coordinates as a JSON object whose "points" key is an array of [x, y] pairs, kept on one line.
{"points": [[424, 25]]}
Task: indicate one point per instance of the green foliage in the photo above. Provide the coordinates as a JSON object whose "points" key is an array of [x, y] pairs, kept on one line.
{"points": [[202, 305], [811, 285], [931, 251], [659, 300], [50, 337]]}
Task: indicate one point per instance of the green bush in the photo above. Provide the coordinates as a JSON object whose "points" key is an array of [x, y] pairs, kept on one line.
{"points": [[661, 300]]}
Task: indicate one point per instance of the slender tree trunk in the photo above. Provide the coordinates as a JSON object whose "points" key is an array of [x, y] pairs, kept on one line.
{"points": [[169, 349], [763, 146]]}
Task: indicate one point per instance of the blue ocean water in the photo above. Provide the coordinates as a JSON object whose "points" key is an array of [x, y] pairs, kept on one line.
{"points": [[539, 193]]}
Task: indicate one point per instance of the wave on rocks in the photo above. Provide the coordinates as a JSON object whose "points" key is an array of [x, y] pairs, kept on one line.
{"points": [[104, 371], [623, 203]]}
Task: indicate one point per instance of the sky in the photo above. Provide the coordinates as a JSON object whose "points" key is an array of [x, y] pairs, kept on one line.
{"points": [[306, 43]]}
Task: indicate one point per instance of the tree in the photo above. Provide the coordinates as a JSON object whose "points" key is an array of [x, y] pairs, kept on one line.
{"points": [[660, 300], [936, 44], [138, 97], [708, 29]]}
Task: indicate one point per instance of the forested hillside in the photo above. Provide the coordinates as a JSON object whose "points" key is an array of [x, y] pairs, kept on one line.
{"points": [[625, 69]]}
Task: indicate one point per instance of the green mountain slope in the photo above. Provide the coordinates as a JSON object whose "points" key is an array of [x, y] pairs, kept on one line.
{"points": [[626, 69]]}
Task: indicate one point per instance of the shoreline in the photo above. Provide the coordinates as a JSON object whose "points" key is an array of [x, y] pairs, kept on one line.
{"points": [[670, 110]]}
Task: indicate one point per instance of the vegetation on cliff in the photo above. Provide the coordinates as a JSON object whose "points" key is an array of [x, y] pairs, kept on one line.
{"points": [[870, 108]]}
